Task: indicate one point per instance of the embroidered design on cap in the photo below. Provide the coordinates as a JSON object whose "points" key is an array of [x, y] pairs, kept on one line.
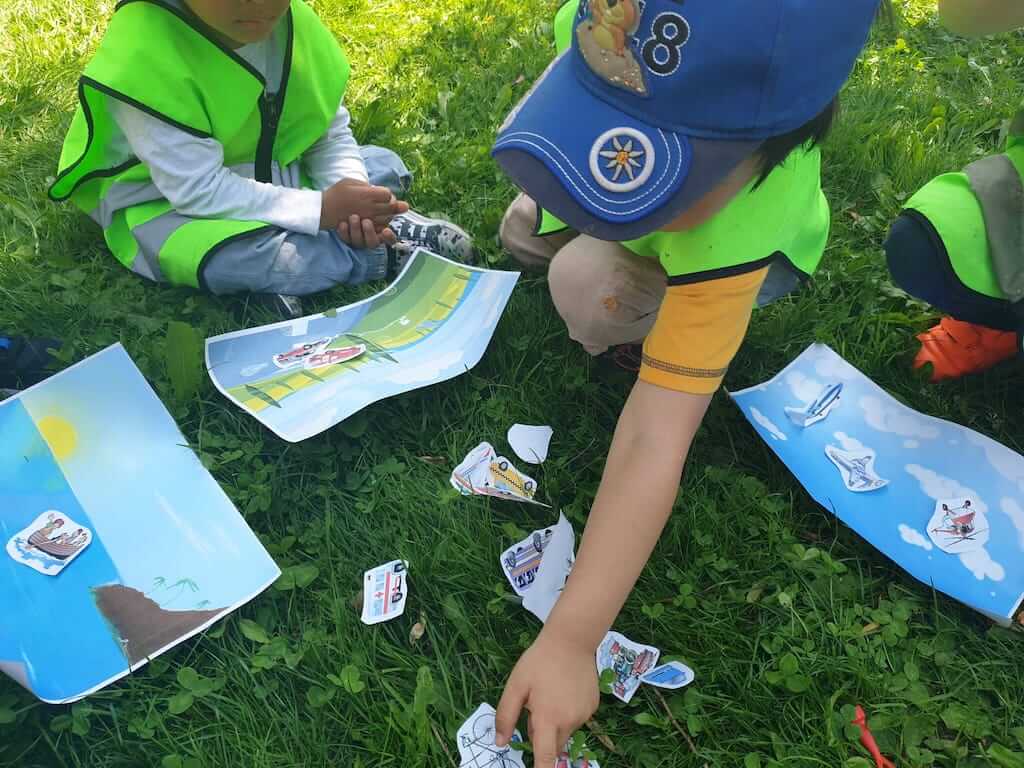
{"points": [[608, 41], [622, 159], [605, 37]]}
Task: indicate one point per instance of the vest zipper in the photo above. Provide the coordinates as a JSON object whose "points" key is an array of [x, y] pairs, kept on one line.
{"points": [[270, 117]]}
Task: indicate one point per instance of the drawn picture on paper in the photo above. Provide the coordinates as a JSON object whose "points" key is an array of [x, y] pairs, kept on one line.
{"points": [[303, 376], [49, 543], [958, 526]]}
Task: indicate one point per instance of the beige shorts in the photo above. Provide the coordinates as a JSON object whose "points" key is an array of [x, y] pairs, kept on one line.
{"points": [[606, 294]]}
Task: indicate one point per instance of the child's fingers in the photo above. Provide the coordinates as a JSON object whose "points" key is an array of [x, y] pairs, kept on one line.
{"points": [[343, 232], [401, 207], [355, 227], [379, 195], [388, 237], [370, 238], [509, 708]]}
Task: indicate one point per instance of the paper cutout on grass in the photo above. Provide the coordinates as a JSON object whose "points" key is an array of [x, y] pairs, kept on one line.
{"points": [[555, 566], [671, 676], [484, 473], [476, 738], [159, 552], [385, 590], [926, 461], [628, 661], [530, 443], [521, 561], [303, 376]]}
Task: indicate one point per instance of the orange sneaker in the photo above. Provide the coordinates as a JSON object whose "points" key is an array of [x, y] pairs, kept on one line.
{"points": [[955, 348]]}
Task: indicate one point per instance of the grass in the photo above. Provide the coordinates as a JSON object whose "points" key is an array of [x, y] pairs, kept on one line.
{"points": [[788, 618]]}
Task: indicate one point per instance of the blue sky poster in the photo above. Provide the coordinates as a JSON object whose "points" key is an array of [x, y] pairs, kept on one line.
{"points": [[432, 324], [91, 456], [924, 463]]}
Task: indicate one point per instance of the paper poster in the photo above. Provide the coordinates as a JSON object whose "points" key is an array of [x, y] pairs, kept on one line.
{"points": [[887, 470], [303, 376], [118, 543]]}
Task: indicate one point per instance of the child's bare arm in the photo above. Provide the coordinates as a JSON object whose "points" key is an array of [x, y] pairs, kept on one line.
{"points": [[556, 679], [981, 17]]}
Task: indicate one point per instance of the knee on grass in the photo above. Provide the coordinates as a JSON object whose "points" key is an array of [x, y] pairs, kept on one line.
{"points": [[593, 298]]}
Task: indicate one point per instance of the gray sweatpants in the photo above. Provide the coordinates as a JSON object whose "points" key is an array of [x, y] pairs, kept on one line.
{"points": [[286, 262]]}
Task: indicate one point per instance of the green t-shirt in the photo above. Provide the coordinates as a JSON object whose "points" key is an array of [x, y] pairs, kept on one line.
{"points": [[787, 214]]}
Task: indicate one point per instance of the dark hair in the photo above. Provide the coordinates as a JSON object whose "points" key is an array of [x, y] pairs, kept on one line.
{"points": [[774, 151]]}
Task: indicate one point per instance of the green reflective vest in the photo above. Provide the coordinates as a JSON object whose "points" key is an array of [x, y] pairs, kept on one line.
{"points": [[978, 214], [163, 60], [783, 222]]}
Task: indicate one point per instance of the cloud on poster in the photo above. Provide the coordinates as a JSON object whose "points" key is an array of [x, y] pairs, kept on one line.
{"points": [[1013, 510], [803, 387], [895, 419], [980, 563], [915, 537], [768, 424]]}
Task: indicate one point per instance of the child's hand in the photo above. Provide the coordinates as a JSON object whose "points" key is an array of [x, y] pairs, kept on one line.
{"points": [[363, 235], [556, 680], [350, 197]]}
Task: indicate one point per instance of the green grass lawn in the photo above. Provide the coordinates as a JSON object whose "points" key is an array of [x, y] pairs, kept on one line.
{"points": [[751, 577]]}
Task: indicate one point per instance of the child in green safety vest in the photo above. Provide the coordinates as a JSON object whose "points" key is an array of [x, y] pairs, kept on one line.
{"points": [[959, 242], [671, 181], [212, 145]]}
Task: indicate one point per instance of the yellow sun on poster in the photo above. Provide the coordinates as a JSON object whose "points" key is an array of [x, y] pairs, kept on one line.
{"points": [[59, 434]]}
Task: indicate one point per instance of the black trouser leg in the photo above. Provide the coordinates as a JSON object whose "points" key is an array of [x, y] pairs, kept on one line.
{"points": [[920, 265]]}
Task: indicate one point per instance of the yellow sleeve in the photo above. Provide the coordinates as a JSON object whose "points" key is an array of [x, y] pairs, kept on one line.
{"points": [[698, 331]]}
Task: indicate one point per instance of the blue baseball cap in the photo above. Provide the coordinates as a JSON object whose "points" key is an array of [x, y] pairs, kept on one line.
{"points": [[657, 101]]}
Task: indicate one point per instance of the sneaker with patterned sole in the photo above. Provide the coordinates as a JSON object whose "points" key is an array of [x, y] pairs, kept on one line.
{"points": [[436, 235], [955, 348]]}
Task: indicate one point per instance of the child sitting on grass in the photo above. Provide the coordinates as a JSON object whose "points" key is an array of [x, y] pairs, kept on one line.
{"points": [[677, 143], [959, 242], [212, 145]]}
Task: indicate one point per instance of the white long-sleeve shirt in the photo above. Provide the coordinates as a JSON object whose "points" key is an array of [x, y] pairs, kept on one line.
{"points": [[189, 171]]}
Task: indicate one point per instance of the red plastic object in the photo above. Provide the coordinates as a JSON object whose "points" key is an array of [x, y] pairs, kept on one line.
{"points": [[861, 721]]}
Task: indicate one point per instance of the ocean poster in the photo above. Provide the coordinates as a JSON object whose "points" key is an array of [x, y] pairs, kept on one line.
{"points": [[115, 542], [944, 502], [303, 376]]}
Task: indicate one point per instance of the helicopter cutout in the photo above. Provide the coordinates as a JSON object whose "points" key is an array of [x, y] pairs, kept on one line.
{"points": [[958, 526]]}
